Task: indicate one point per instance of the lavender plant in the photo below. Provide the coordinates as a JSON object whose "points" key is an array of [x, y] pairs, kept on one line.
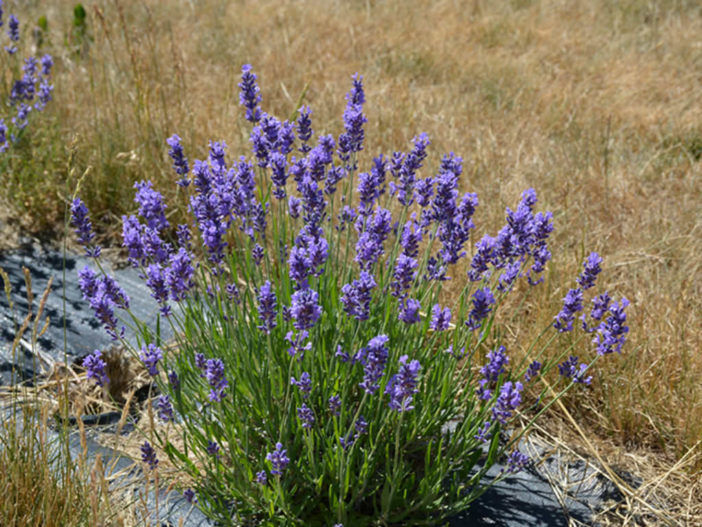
{"points": [[318, 377], [27, 90]]}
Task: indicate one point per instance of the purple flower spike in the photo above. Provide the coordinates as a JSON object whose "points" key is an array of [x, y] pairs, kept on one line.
{"points": [[261, 477], [189, 495], [84, 229], [279, 459], [509, 399], [482, 300], [304, 384], [95, 368], [306, 415], [164, 408], [592, 268], [148, 455], [335, 404], [611, 334], [305, 309], [497, 360], [373, 358], [516, 462], [13, 33], [213, 449], [409, 311], [403, 385], [441, 318], [267, 307], [214, 373], [357, 296], [572, 304], [304, 128], [150, 356], [151, 206], [250, 95], [532, 371], [180, 162], [571, 370]]}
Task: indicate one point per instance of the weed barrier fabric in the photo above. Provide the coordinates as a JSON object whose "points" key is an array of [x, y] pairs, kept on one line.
{"points": [[83, 334], [526, 498]]}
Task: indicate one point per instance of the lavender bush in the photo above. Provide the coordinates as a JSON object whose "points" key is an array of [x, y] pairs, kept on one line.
{"points": [[318, 376], [27, 90]]}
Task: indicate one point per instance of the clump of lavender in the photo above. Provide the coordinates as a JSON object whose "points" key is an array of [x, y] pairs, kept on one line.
{"points": [[29, 93], [316, 318]]}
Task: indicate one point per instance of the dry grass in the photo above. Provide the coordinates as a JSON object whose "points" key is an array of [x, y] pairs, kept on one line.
{"points": [[596, 104]]}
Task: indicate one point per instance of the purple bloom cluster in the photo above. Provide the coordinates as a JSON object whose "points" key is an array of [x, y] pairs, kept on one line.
{"points": [[103, 294], [180, 162], [403, 275], [304, 128], [212, 449], [409, 311], [482, 300], [571, 370], [150, 355], [95, 368], [509, 399], [250, 95], [335, 405], [373, 358], [404, 168], [304, 384], [516, 461], [13, 33], [532, 371], [148, 455], [357, 296], [403, 385], [267, 307], [30, 92], [164, 408], [572, 304], [213, 371], [306, 415], [524, 236], [497, 360], [440, 318], [611, 334], [83, 227], [189, 495], [351, 140], [591, 269], [278, 459]]}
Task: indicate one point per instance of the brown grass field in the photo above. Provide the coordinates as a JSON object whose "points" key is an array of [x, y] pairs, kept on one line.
{"points": [[594, 103]]}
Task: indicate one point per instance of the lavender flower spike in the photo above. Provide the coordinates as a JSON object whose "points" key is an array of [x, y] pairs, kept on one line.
{"points": [[84, 229], [267, 307], [150, 356], [592, 268], [95, 368], [403, 386], [482, 300], [250, 95], [180, 162], [441, 318], [279, 459], [572, 304], [148, 455]]}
